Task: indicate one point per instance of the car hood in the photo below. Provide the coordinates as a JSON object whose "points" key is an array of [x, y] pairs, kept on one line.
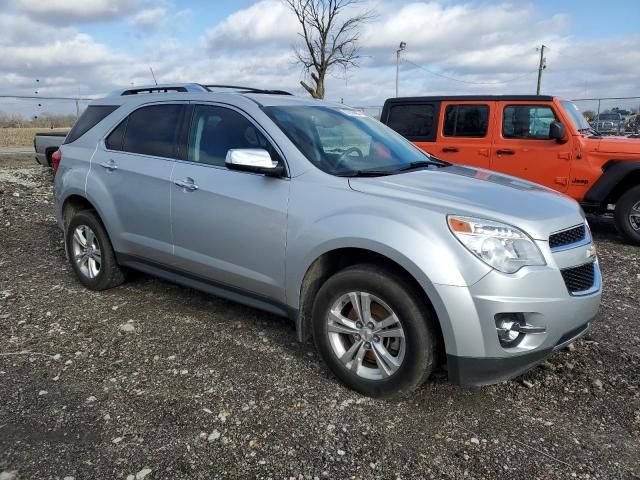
{"points": [[462, 190], [619, 145]]}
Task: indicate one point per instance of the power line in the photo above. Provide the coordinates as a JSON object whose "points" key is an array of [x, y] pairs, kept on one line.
{"points": [[468, 81]]}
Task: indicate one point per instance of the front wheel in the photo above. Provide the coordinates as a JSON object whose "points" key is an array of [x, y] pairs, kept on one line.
{"points": [[627, 215], [374, 332]]}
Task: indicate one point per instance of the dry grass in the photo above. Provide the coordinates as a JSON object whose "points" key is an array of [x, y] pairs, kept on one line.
{"points": [[22, 137]]}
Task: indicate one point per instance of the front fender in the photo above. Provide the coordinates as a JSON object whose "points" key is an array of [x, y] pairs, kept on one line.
{"points": [[614, 173]]}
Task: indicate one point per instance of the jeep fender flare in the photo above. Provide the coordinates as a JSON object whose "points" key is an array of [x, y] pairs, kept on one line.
{"points": [[616, 174]]}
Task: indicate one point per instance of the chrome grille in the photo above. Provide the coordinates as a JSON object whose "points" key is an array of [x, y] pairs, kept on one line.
{"points": [[579, 279], [567, 237]]}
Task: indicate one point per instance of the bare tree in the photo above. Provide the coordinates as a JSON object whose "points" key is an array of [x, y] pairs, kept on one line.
{"points": [[330, 37]]}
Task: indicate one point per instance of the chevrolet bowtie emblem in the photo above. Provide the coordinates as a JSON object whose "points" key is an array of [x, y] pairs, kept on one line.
{"points": [[591, 252]]}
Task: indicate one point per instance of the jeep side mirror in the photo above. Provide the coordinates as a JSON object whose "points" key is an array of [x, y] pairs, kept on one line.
{"points": [[256, 160], [557, 131]]}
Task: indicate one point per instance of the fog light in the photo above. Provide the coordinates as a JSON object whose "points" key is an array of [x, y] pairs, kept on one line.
{"points": [[512, 328]]}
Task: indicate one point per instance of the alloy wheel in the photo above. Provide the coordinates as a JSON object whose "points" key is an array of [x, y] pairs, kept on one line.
{"points": [[366, 335], [86, 251], [634, 217]]}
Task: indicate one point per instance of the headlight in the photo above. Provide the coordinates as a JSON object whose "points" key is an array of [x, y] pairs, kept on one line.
{"points": [[501, 246]]}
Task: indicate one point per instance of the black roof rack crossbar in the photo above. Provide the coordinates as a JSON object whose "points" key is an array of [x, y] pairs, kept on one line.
{"points": [[248, 89], [135, 91]]}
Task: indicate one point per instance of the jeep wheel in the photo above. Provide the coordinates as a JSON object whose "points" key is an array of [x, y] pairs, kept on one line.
{"points": [[627, 215], [374, 332], [90, 253]]}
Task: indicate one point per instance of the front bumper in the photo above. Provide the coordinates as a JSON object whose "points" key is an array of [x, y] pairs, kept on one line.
{"points": [[470, 371], [539, 294]]}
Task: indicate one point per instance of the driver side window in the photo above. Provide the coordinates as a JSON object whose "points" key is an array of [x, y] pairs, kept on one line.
{"points": [[529, 122], [216, 130]]}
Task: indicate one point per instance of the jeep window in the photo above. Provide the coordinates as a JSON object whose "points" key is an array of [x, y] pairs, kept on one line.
{"points": [[466, 121], [93, 115], [415, 122], [216, 130], [527, 122], [153, 130], [574, 113], [116, 138], [343, 141]]}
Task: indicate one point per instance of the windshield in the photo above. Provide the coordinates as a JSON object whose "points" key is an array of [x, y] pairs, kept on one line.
{"points": [[342, 141], [579, 122], [608, 116]]}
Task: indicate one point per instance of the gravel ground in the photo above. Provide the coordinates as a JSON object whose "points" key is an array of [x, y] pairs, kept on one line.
{"points": [[152, 380]]}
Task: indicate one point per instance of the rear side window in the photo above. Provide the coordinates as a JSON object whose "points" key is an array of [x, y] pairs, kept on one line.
{"points": [[415, 122], [152, 130], [527, 122], [93, 115], [466, 121]]}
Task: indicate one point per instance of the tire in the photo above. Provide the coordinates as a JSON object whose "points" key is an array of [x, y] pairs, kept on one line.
{"points": [[627, 215], [413, 354], [98, 269]]}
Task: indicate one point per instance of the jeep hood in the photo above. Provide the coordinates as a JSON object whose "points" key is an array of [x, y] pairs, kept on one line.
{"points": [[619, 145], [462, 190]]}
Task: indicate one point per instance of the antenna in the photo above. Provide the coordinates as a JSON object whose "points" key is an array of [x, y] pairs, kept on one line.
{"points": [[154, 77]]}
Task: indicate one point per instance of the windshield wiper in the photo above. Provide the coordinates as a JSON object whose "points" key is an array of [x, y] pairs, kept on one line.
{"points": [[422, 164], [366, 173], [591, 130]]}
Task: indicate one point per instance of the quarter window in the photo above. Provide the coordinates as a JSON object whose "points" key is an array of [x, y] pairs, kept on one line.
{"points": [[152, 130], [93, 115], [527, 122], [466, 121], [414, 122], [216, 130]]}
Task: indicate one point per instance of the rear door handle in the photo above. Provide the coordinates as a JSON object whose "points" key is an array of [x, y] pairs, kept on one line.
{"points": [[505, 152], [110, 165], [450, 149], [187, 184]]}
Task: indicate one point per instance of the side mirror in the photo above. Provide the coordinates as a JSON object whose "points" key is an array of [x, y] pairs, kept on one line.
{"points": [[254, 160], [557, 131]]}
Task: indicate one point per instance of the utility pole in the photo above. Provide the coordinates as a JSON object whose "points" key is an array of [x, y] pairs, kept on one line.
{"points": [[541, 67], [403, 45]]}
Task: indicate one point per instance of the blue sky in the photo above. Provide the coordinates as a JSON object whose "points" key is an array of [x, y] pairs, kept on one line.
{"points": [[89, 47]]}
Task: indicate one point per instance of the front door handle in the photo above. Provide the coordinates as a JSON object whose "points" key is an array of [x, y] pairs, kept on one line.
{"points": [[110, 165], [505, 152], [187, 184], [450, 149]]}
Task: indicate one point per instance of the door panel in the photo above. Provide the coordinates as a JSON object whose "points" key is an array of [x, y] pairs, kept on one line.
{"points": [[232, 228], [523, 149], [131, 170], [138, 188], [465, 133], [228, 226]]}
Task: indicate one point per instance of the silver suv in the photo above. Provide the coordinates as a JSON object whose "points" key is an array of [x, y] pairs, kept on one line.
{"points": [[393, 261]]}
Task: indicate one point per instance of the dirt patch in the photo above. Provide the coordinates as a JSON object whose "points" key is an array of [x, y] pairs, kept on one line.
{"points": [[152, 376]]}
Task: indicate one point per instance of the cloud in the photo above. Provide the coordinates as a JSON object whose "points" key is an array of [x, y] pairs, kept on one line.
{"points": [[490, 47], [149, 19], [266, 23], [67, 12]]}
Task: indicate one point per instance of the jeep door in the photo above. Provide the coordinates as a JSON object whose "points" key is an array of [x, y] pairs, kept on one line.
{"points": [[465, 134], [130, 179], [522, 146], [229, 226]]}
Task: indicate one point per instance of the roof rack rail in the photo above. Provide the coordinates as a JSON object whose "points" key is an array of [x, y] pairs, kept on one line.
{"points": [[247, 89], [180, 87]]}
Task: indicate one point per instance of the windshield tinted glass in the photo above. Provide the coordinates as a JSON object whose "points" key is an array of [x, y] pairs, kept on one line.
{"points": [[579, 122], [344, 141], [609, 116]]}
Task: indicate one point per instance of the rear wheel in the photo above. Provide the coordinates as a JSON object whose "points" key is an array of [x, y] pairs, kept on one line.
{"points": [[374, 332], [627, 215], [90, 252]]}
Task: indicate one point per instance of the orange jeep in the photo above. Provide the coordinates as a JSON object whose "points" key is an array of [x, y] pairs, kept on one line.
{"points": [[540, 138]]}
